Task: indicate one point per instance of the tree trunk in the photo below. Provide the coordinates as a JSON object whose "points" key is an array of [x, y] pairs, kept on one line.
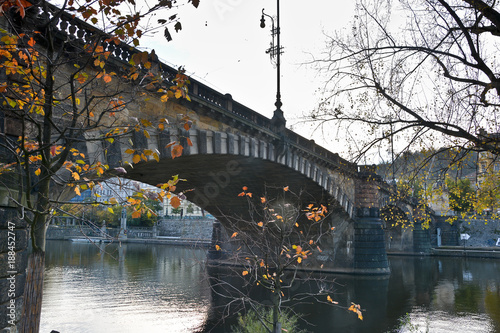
{"points": [[33, 288], [33, 291]]}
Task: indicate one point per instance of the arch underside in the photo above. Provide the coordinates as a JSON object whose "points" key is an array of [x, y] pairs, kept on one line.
{"points": [[213, 181]]}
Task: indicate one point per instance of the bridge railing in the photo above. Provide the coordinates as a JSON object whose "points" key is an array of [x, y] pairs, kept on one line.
{"points": [[74, 29]]}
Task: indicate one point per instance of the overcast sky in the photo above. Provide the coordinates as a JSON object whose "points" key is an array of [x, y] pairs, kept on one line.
{"points": [[222, 45]]}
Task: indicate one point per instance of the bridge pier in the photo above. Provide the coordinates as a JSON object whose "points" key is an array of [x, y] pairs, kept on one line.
{"points": [[421, 236], [370, 256], [421, 239]]}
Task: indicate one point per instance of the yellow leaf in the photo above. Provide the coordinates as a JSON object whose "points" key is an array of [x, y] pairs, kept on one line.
{"points": [[156, 157], [77, 191], [110, 210], [244, 273], [329, 299], [217, 247], [38, 171], [129, 151], [299, 260], [178, 94], [164, 98], [136, 158], [260, 224]]}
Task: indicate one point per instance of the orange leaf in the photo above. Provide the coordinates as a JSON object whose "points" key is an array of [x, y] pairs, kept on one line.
{"points": [[107, 78], [31, 42], [242, 194], [175, 202], [260, 224], [177, 151], [38, 171], [217, 247], [244, 273], [263, 199], [245, 188], [299, 260], [249, 194], [136, 158], [285, 189], [329, 299], [234, 234], [77, 191], [189, 142], [136, 214], [187, 126]]}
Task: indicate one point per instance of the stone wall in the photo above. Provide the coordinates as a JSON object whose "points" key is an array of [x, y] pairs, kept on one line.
{"points": [[65, 232], [200, 229], [483, 233], [13, 263]]}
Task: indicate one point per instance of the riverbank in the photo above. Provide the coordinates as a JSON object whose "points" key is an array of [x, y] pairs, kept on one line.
{"points": [[471, 252]]}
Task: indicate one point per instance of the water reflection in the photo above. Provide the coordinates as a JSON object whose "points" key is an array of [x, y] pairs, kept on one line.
{"points": [[138, 288], [146, 288]]}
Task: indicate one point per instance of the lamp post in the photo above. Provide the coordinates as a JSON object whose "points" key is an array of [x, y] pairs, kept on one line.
{"points": [[275, 50]]}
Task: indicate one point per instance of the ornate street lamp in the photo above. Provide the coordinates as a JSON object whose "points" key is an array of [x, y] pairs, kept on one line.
{"points": [[274, 51]]}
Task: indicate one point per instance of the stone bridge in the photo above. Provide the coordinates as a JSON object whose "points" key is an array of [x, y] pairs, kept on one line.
{"points": [[234, 146]]}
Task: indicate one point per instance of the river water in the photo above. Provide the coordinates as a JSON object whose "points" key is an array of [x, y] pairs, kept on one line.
{"points": [[162, 288]]}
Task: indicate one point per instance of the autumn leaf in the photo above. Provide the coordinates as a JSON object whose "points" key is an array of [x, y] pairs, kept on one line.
{"points": [[107, 78], [244, 273], [217, 247], [260, 224], [245, 188], [299, 260], [285, 189], [31, 42], [136, 158], [234, 234], [175, 202], [177, 151], [38, 171], [189, 142], [77, 191], [136, 214], [242, 194], [329, 299], [263, 199]]}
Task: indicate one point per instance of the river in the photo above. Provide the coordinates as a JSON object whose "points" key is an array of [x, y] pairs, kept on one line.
{"points": [[163, 288]]}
